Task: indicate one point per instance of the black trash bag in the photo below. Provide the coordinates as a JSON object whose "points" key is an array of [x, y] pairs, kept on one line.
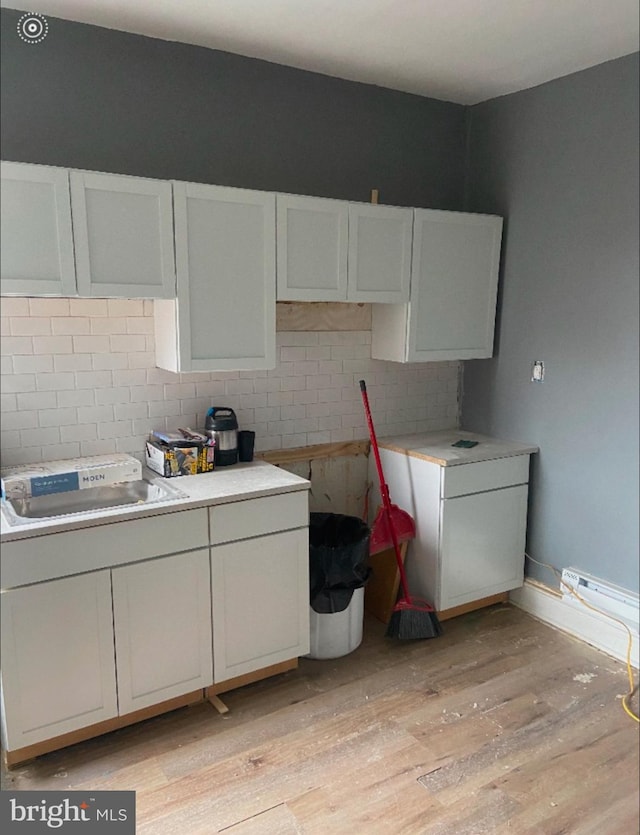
{"points": [[338, 560]]}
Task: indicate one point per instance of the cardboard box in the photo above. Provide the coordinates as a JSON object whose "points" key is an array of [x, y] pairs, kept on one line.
{"points": [[24, 481], [179, 457]]}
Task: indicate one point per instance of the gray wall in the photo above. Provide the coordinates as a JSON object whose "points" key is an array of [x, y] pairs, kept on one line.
{"points": [[95, 98], [560, 162]]}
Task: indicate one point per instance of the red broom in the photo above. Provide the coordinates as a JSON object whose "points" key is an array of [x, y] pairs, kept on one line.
{"points": [[411, 618]]}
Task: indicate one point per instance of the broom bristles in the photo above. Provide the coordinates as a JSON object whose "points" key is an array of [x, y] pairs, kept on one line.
{"points": [[412, 620]]}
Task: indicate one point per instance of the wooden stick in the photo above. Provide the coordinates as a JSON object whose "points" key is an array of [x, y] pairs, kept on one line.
{"points": [[217, 702], [374, 196]]}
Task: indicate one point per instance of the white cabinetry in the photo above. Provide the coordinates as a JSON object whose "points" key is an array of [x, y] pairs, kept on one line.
{"points": [[224, 316], [260, 583], [162, 620], [470, 525], [104, 625], [123, 236], [379, 253], [454, 281], [58, 666], [332, 250], [37, 241], [312, 246]]}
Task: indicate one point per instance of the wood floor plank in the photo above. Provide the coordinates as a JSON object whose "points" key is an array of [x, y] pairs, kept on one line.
{"points": [[479, 731]]}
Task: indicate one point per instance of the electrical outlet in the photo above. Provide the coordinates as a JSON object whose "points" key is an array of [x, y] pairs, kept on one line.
{"points": [[537, 371]]}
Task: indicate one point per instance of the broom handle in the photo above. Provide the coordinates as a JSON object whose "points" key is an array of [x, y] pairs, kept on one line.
{"points": [[384, 492]]}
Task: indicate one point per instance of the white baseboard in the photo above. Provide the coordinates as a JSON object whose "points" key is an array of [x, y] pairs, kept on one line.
{"points": [[595, 629]]}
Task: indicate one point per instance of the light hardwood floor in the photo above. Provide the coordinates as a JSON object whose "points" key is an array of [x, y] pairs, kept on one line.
{"points": [[501, 725]]}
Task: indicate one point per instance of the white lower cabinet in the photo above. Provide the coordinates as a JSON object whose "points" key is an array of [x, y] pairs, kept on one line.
{"points": [[260, 596], [90, 635], [58, 666], [162, 622], [471, 524]]}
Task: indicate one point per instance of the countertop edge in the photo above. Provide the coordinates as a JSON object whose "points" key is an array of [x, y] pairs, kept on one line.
{"points": [[12, 533]]}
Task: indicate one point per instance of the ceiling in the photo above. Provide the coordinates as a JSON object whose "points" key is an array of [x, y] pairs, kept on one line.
{"points": [[463, 51]]}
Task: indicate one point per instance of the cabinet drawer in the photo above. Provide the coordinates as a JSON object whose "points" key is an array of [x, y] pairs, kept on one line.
{"points": [[255, 517], [74, 552], [484, 475]]}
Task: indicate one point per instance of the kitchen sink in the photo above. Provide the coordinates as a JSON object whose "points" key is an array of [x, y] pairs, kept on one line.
{"points": [[20, 511]]}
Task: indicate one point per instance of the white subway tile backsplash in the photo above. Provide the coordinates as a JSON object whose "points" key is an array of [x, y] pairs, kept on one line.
{"points": [[19, 420], [35, 400], [10, 439], [54, 452], [79, 432], [108, 325], [93, 379], [12, 345], [76, 397], [18, 382], [115, 429], [118, 394], [80, 378], [72, 362], [129, 411], [147, 393], [52, 345], [92, 344], [30, 326], [40, 437], [88, 307], [57, 417], [44, 307], [129, 377], [95, 414], [142, 359], [110, 361], [71, 325], [127, 343], [61, 381], [15, 307], [30, 364], [125, 307], [98, 447]]}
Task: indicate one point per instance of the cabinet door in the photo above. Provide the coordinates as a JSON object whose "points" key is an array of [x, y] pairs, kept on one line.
{"points": [[123, 236], [482, 545], [312, 249], [379, 253], [260, 594], [453, 285], [225, 315], [37, 242], [58, 670], [162, 619]]}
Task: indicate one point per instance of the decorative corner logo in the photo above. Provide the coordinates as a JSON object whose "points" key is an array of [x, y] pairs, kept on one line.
{"points": [[32, 27]]}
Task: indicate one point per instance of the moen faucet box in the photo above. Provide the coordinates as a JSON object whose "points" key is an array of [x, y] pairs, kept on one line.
{"points": [[28, 480]]}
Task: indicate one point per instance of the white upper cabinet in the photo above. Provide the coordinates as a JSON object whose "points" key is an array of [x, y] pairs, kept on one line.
{"points": [[332, 250], [454, 281], [224, 316], [312, 243], [379, 253], [123, 236], [37, 241]]}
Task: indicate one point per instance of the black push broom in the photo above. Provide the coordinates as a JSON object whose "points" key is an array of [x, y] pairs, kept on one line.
{"points": [[411, 618]]}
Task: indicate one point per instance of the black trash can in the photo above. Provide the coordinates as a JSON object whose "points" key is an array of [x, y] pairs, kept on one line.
{"points": [[338, 571]]}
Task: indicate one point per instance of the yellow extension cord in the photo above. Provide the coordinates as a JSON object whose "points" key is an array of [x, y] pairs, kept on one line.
{"points": [[632, 687]]}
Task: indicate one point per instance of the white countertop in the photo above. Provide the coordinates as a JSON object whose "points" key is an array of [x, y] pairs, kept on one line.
{"points": [[437, 447], [226, 484]]}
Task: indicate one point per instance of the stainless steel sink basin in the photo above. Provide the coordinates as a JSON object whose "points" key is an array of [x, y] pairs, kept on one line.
{"points": [[19, 511]]}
